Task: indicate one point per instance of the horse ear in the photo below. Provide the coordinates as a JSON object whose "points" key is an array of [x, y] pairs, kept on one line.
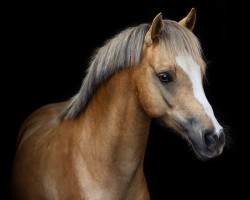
{"points": [[155, 30], [189, 20]]}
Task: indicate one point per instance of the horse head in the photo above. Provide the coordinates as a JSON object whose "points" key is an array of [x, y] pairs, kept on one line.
{"points": [[169, 81]]}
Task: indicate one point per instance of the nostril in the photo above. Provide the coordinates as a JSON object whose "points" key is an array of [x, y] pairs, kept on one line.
{"points": [[211, 139]]}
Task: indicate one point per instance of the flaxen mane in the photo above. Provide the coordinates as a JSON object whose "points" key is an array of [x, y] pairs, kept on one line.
{"points": [[125, 50]]}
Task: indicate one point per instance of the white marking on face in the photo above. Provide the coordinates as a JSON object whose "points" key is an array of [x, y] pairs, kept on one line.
{"points": [[193, 70]]}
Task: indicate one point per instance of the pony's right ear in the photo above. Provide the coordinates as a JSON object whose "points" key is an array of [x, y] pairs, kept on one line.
{"points": [[155, 30]]}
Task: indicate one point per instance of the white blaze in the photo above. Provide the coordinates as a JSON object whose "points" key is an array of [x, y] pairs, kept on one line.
{"points": [[193, 71]]}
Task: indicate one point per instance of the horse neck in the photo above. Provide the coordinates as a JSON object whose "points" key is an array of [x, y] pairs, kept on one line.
{"points": [[116, 126]]}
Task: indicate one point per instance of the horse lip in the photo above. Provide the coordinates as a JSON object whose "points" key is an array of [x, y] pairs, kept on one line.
{"points": [[204, 153], [201, 152]]}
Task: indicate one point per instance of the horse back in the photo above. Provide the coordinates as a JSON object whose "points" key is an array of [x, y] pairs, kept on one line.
{"points": [[40, 121], [33, 150]]}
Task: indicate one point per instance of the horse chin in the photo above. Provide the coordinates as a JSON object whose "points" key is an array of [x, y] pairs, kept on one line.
{"points": [[203, 153]]}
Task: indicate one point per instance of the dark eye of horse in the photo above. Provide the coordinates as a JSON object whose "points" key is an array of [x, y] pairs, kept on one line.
{"points": [[165, 77]]}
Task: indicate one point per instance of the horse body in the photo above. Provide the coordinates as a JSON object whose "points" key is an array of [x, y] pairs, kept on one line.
{"points": [[79, 159], [93, 146]]}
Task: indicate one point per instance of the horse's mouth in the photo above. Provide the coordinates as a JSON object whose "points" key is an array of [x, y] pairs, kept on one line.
{"points": [[204, 153]]}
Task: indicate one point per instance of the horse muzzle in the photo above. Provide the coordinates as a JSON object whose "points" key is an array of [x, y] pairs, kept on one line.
{"points": [[209, 145]]}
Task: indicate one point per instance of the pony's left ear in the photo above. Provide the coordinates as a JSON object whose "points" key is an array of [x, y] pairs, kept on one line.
{"points": [[155, 30], [189, 20]]}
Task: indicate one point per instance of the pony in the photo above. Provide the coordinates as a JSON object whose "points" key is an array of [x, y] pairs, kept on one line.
{"points": [[92, 146]]}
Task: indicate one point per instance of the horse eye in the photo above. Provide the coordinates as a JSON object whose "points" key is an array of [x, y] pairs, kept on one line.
{"points": [[165, 77]]}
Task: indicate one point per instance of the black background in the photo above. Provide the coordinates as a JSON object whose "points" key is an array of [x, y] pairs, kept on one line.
{"points": [[47, 51]]}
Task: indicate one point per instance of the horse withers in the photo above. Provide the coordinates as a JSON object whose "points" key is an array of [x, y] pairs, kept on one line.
{"points": [[92, 146]]}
